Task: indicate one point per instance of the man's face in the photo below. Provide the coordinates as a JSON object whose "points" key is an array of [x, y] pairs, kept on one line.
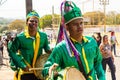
{"points": [[32, 23], [75, 27]]}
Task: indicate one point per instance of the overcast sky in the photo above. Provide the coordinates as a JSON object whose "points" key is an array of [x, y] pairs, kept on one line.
{"points": [[16, 8]]}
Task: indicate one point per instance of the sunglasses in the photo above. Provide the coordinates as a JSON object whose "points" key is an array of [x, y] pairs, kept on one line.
{"points": [[33, 21]]}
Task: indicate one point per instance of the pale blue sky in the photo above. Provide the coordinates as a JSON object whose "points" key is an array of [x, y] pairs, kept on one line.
{"points": [[16, 8]]}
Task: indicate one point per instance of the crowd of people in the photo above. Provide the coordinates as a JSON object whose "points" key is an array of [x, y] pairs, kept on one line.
{"points": [[86, 55], [4, 41], [107, 44]]}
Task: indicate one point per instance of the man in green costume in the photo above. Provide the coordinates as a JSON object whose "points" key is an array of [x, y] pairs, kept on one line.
{"points": [[88, 51], [29, 44]]}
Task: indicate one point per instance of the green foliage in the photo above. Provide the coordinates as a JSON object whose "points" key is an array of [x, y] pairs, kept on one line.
{"points": [[118, 19], [49, 20], [4, 28], [17, 25], [113, 18], [99, 18], [46, 21], [95, 18], [56, 20]]}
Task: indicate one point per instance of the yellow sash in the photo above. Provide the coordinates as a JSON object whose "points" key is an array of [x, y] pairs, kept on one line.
{"points": [[84, 56], [36, 45]]}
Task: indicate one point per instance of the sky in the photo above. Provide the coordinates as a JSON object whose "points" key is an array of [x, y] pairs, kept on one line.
{"points": [[16, 8]]}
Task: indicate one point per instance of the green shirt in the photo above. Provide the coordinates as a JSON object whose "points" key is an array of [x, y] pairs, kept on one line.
{"points": [[93, 56], [25, 46]]}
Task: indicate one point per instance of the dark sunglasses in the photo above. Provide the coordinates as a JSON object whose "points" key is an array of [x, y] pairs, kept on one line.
{"points": [[34, 21]]}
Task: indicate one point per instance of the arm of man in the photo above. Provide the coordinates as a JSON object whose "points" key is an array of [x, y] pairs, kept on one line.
{"points": [[18, 60], [98, 65], [51, 64]]}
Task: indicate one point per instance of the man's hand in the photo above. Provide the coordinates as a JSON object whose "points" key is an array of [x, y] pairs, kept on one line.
{"points": [[26, 69], [53, 68]]}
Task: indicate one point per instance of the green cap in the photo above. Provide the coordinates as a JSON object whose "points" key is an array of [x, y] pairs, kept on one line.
{"points": [[32, 13], [71, 12]]}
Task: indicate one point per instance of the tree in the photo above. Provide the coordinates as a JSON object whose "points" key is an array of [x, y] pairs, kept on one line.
{"points": [[47, 20], [96, 18], [110, 18], [118, 19], [113, 18], [17, 25], [3, 28], [56, 20]]}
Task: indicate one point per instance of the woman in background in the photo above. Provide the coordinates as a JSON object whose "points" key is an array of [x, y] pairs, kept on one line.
{"points": [[108, 58]]}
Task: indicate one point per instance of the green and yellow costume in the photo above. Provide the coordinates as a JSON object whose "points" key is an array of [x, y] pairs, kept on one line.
{"points": [[89, 52], [25, 49], [91, 58]]}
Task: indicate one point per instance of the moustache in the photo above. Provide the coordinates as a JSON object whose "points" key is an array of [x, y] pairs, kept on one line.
{"points": [[32, 25]]}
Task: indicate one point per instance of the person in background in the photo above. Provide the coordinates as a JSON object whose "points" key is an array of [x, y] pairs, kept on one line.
{"points": [[108, 58], [27, 47], [113, 41], [1, 45], [8, 40], [82, 48], [97, 36]]}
